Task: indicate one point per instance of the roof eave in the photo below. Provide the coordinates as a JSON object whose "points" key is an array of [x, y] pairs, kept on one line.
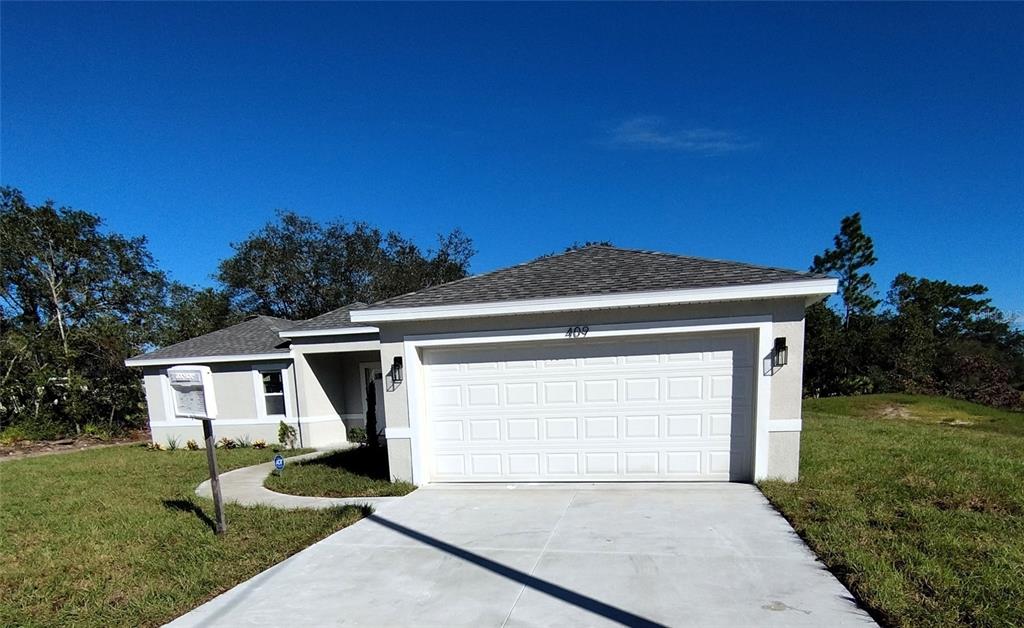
{"points": [[329, 331], [207, 359], [807, 288]]}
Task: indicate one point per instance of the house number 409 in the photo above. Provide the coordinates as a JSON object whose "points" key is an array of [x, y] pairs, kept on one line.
{"points": [[577, 332]]}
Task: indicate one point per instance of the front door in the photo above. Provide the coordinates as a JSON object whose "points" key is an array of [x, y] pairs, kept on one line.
{"points": [[373, 383]]}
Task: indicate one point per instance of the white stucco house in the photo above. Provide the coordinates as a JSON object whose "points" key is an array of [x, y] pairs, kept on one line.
{"points": [[599, 364]]}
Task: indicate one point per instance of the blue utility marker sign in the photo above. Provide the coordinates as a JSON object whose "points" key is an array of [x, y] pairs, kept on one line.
{"points": [[279, 462]]}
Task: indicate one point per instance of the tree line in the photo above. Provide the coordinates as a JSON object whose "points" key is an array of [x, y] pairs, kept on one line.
{"points": [[926, 336], [76, 300]]}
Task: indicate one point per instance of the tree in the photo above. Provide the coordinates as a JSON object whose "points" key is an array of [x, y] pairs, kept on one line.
{"points": [[949, 339], [74, 302], [824, 357], [191, 312], [853, 252], [404, 267], [577, 245], [296, 267], [840, 347]]}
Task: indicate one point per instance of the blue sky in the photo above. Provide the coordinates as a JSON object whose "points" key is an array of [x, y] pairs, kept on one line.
{"points": [[733, 131]]}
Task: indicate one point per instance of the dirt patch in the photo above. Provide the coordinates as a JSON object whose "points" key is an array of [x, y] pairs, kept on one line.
{"points": [[976, 503], [33, 448], [895, 411]]}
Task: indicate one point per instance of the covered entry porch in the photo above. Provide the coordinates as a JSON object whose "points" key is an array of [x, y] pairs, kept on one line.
{"points": [[338, 389]]}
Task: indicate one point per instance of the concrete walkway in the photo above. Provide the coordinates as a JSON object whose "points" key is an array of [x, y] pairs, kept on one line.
{"points": [[245, 486], [550, 555]]}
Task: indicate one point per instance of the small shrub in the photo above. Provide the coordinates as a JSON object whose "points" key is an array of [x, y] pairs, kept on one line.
{"points": [[244, 441], [286, 435], [12, 434], [191, 444], [226, 443], [154, 447], [259, 443], [172, 443], [91, 429], [357, 435]]}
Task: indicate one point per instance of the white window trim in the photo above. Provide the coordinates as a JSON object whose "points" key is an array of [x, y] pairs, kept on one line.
{"points": [[257, 383], [413, 357], [804, 288]]}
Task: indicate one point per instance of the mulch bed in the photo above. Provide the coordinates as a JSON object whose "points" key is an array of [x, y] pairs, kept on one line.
{"points": [[31, 448]]}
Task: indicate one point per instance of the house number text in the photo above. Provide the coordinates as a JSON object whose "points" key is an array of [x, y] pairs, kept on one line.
{"points": [[577, 332]]}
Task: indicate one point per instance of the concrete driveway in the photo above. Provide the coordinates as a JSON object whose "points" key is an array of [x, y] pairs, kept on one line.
{"points": [[551, 555]]}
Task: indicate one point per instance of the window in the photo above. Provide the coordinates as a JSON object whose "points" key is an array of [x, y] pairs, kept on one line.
{"points": [[273, 392]]}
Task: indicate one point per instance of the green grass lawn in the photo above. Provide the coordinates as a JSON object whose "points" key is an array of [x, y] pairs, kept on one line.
{"points": [[359, 472], [917, 504], [116, 536]]}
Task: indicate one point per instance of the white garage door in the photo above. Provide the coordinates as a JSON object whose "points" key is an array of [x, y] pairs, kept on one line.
{"points": [[674, 408]]}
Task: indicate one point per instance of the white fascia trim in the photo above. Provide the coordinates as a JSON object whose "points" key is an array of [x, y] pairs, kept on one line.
{"points": [[418, 431], [804, 288], [207, 359], [334, 331], [337, 347], [785, 425]]}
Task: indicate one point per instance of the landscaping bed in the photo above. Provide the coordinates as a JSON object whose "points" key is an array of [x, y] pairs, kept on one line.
{"points": [[357, 472], [916, 504], [117, 536], [23, 448]]}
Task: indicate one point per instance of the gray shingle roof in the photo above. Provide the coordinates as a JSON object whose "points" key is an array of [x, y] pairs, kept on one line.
{"points": [[331, 320], [254, 336], [595, 270]]}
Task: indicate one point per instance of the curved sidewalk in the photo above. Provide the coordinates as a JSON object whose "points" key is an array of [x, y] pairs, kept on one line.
{"points": [[245, 487]]}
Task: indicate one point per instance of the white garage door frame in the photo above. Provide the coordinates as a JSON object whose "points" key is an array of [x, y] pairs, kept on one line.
{"points": [[415, 373]]}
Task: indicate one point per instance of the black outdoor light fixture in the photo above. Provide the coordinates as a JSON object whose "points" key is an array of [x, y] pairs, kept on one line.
{"points": [[396, 370], [780, 353]]}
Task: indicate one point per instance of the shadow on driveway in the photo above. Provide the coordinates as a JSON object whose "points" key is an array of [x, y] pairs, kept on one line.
{"points": [[571, 597]]}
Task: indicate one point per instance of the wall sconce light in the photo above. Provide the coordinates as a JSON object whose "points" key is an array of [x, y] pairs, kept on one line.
{"points": [[780, 353], [396, 370]]}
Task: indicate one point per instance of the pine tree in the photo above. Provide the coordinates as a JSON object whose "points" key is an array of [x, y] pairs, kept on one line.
{"points": [[854, 252]]}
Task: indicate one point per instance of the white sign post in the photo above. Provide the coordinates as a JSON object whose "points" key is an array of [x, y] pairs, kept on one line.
{"points": [[192, 392]]}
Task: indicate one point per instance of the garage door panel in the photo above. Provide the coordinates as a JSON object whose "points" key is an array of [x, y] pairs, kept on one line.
{"points": [[484, 430], [630, 410], [601, 427], [485, 464], [559, 393], [523, 429], [600, 391], [641, 389], [482, 396], [521, 394]]}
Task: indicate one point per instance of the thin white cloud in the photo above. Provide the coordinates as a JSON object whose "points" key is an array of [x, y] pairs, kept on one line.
{"points": [[656, 133]]}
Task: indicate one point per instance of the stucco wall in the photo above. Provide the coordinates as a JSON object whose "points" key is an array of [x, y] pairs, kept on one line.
{"points": [[232, 384], [239, 416], [784, 456], [786, 382]]}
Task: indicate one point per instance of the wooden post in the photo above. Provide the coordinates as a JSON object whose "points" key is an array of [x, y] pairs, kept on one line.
{"points": [[211, 459]]}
